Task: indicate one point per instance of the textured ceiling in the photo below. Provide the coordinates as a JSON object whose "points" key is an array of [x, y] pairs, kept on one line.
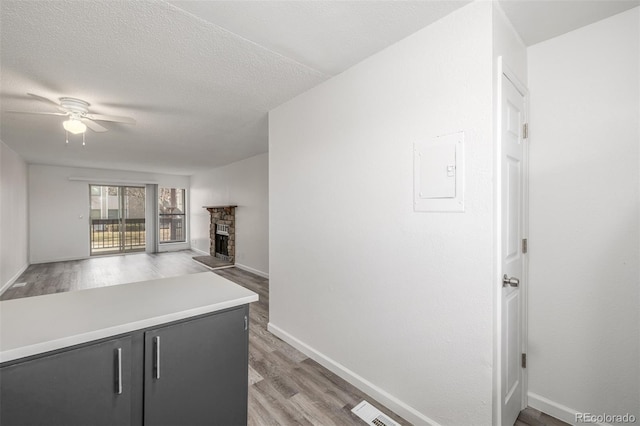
{"points": [[200, 92], [200, 76]]}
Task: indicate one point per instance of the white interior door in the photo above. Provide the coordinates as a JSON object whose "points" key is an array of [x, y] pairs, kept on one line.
{"points": [[513, 263]]}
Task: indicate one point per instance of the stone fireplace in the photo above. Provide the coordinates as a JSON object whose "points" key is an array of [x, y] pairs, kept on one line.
{"points": [[222, 232]]}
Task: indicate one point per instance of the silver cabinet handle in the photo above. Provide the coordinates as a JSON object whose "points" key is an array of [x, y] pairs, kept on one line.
{"points": [[513, 282], [156, 361], [119, 371]]}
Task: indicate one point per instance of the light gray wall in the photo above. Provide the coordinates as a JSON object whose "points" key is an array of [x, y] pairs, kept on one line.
{"points": [[400, 303], [245, 184], [59, 208], [13, 216], [584, 234]]}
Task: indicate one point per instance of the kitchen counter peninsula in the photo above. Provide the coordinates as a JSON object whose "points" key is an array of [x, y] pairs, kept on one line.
{"points": [[164, 351]]}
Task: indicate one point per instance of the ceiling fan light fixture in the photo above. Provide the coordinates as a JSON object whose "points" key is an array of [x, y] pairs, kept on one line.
{"points": [[74, 126]]}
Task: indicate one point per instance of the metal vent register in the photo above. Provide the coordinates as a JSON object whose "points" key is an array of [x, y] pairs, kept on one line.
{"points": [[372, 415]]}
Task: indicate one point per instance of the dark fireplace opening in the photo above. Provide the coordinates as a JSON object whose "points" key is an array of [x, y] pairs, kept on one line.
{"points": [[222, 241], [222, 245]]}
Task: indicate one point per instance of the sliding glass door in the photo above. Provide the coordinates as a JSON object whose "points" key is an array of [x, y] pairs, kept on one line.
{"points": [[117, 219]]}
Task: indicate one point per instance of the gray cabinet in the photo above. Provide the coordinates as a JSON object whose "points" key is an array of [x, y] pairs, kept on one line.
{"points": [[88, 385], [191, 372], [196, 372]]}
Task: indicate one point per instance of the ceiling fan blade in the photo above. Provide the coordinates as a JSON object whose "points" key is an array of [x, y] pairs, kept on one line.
{"points": [[43, 99], [93, 125], [37, 112], [114, 118]]}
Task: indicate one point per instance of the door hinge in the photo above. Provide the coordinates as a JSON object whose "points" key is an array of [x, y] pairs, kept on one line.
{"points": [[525, 246], [524, 360], [525, 131]]}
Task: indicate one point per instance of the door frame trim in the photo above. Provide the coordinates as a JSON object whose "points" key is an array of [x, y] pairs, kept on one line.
{"points": [[504, 71]]}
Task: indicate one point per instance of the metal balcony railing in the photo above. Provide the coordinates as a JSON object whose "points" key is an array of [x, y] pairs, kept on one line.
{"points": [[112, 235], [171, 228]]}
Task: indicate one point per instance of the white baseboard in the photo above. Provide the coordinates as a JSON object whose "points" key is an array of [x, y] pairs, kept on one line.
{"points": [[559, 411], [13, 279], [252, 270], [391, 402]]}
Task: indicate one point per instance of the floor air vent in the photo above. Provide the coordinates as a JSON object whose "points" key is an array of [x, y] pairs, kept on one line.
{"points": [[372, 415], [19, 285]]}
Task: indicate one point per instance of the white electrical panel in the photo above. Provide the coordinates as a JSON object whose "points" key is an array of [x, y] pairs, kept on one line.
{"points": [[438, 170]]}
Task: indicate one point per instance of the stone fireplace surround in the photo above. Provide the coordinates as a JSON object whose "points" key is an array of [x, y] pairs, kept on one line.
{"points": [[223, 215]]}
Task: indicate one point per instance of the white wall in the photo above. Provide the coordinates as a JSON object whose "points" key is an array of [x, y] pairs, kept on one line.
{"points": [[245, 184], [584, 230], [398, 302], [59, 208], [13, 216]]}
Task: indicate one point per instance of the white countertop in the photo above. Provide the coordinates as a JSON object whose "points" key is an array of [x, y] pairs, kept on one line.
{"points": [[33, 325]]}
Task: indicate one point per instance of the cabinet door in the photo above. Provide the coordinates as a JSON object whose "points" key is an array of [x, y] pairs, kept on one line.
{"points": [[196, 371], [90, 385]]}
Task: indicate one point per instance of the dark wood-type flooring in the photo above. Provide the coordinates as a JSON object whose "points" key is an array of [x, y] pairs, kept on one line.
{"points": [[285, 386]]}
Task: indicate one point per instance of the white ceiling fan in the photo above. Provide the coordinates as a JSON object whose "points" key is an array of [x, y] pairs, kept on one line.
{"points": [[79, 116]]}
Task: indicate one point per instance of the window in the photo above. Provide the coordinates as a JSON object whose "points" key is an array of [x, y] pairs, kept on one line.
{"points": [[171, 208]]}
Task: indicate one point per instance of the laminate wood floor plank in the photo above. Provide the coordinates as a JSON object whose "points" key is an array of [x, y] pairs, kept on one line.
{"points": [[258, 313], [258, 412], [314, 411], [289, 351], [279, 409], [347, 395], [276, 377], [323, 395]]}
